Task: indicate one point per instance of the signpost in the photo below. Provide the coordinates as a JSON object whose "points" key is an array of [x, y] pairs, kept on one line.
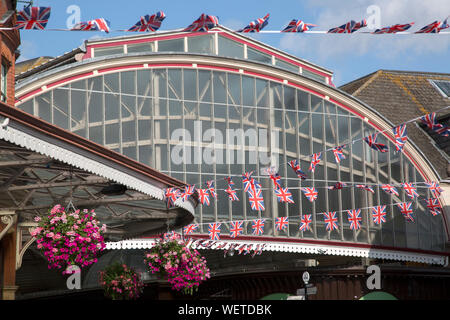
{"points": [[305, 277]]}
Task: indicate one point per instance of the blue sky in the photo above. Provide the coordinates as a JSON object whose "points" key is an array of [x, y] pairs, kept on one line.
{"points": [[349, 56]]}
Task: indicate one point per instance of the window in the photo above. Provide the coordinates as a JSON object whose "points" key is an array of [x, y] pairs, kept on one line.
{"points": [[141, 47], [443, 86], [4, 82], [100, 52]]}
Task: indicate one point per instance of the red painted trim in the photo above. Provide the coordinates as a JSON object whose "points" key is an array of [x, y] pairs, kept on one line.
{"points": [[31, 93], [204, 66], [80, 76], [133, 66]]}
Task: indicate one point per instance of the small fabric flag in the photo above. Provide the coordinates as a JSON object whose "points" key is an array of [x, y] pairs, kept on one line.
{"points": [[171, 195], [434, 206], [435, 189], [365, 187], [339, 153], [203, 196], [214, 230], [229, 181], [204, 23], [256, 25], [354, 218], [430, 121], [401, 136], [305, 222], [188, 191], [99, 24], [258, 227], [275, 177], [390, 189], [236, 228], [231, 193], [284, 195], [148, 23], [33, 18], [379, 214], [294, 164], [410, 190], [316, 157], [189, 229], [406, 210], [298, 26], [330, 220], [310, 193], [372, 142], [337, 186], [434, 27], [249, 183], [281, 223], [394, 28], [349, 27], [256, 200], [211, 188]]}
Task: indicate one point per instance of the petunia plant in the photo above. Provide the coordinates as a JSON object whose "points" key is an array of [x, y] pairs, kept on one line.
{"points": [[121, 282]]}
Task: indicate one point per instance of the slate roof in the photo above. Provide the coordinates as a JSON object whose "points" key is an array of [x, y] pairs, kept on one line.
{"points": [[405, 95]]}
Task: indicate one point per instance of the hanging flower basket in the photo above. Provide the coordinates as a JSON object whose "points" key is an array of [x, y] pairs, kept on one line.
{"points": [[184, 268], [67, 239], [121, 282]]}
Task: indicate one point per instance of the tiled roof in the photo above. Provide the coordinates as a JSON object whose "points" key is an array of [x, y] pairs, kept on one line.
{"points": [[405, 95]]}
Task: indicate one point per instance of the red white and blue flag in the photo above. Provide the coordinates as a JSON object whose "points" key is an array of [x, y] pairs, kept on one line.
{"points": [[337, 186], [430, 121], [354, 218], [339, 153], [99, 24], [434, 27], [316, 157], [171, 195], [349, 27], [149, 22], [298, 26], [231, 193], [330, 220], [372, 142], [258, 227], [188, 191], [305, 222], [410, 190], [310, 193], [434, 206], [379, 214], [394, 28], [281, 223], [214, 230], [256, 200], [203, 196], [249, 183], [236, 228], [294, 164], [390, 189], [365, 187], [256, 25], [401, 136], [189, 229], [406, 210], [284, 195], [275, 177], [434, 188], [33, 18], [211, 188], [204, 23]]}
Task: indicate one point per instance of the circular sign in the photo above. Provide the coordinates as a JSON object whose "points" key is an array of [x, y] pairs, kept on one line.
{"points": [[305, 277]]}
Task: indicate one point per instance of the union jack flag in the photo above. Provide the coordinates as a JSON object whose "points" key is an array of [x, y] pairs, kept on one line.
{"points": [[281, 223], [256, 200], [298, 26], [258, 226], [349, 27], [231, 193], [372, 142], [330, 220], [188, 191], [410, 190], [171, 195], [310, 193], [236, 228], [338, 186], [284, 195], [434, 27], [149, 22], [354, 218], [256, 25], [275, 177], [316, 157], [33, 18], [211, 188], [99, 24], [434, 206], [394, 28], [365, 187], [435, 189], [204, 23], [379, 214], [294, 164], [230, 181], [406, 210], [250, 184], [189, 229], [203, 196], [401, 136], [430, 121], [214, 230], [305, 222], [339, 153], [390, 189]]}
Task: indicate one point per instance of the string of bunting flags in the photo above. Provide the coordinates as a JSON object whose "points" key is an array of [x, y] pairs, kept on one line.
{"points": [[36, 18]]}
